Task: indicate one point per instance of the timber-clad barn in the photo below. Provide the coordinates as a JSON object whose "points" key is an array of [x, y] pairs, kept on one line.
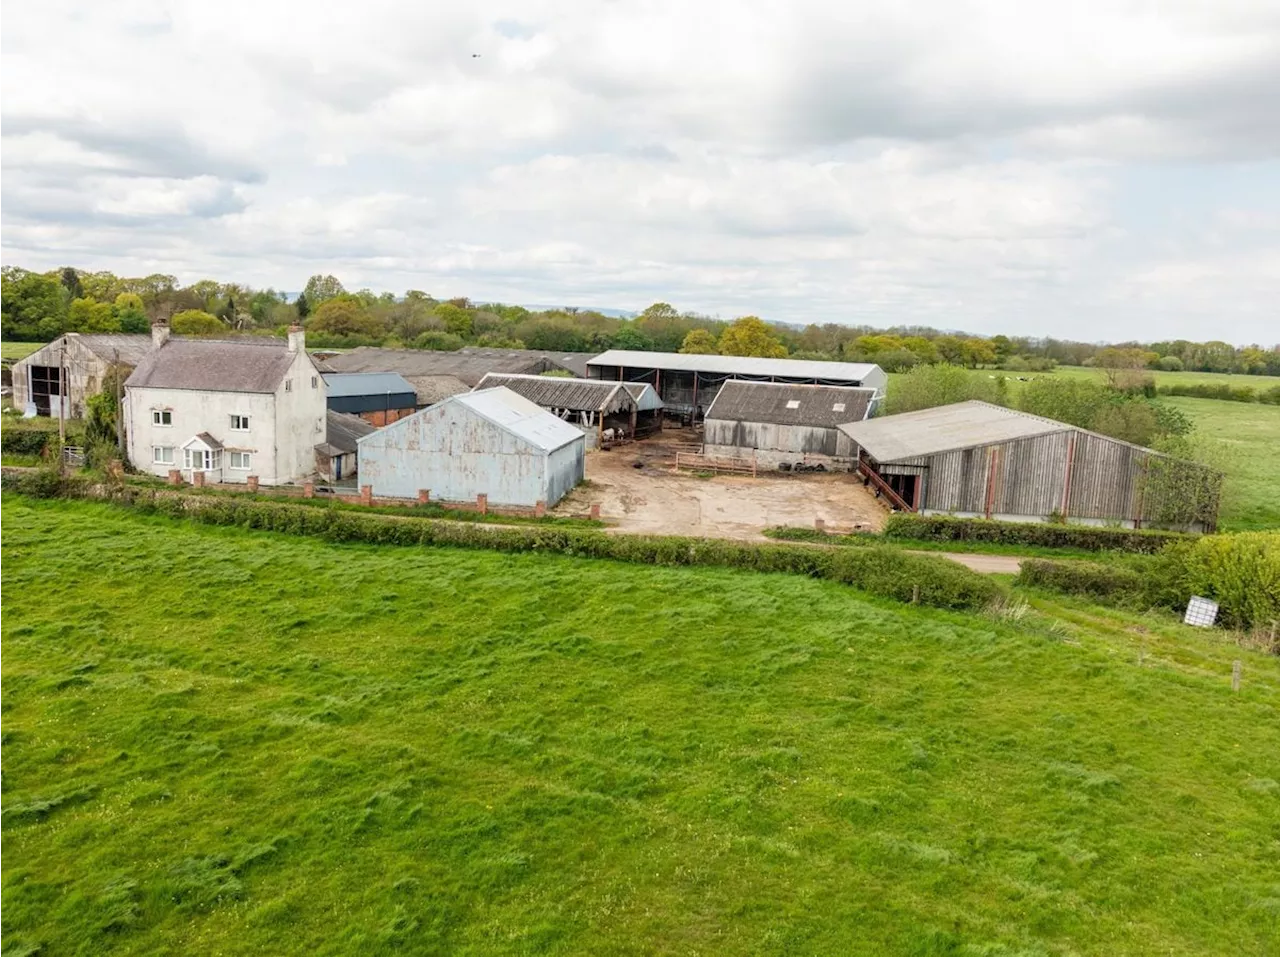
{"points": [[775, 423], [977, 460], [688, 384]]}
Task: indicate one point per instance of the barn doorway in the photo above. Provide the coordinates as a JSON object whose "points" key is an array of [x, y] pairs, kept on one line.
{"points": [[905, 486], [45, 382]]}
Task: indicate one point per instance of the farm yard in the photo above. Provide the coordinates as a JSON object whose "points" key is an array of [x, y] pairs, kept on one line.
{"points": [[655, 500], [225, 741]]}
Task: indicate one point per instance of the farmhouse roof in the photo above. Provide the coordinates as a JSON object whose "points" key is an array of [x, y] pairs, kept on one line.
{"points": [[214, 365], [818, 406]]}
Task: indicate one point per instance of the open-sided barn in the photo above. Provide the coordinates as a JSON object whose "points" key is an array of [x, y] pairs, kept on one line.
{"points": [[491, 442], [688, 383], [600, 409], [775, 423], [978, 460]]}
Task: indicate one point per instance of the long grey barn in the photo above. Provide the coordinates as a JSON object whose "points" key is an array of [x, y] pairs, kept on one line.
{"points": [[978, 460], [688, 383], [492, 442], [774, 423]]}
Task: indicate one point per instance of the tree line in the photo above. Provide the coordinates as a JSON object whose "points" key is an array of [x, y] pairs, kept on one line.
{"points": [[40, 306]]}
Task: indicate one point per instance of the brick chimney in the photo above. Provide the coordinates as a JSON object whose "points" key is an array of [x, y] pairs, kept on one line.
{"points": [[297, 338], [159, 333]]}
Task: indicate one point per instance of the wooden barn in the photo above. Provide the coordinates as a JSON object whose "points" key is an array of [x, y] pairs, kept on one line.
{"points": [[82, 361], [776, 424], [978, 460]]}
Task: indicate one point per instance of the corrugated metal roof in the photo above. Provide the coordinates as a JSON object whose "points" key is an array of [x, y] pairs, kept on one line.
{"points": [[737, 365], [521, 417], [647, 399], [436, 388], [411, 363], [557, 392], [575, 362], [346, 384], [946, 428], [343, 431], [214, 365], [818, 406], [131, 348]]}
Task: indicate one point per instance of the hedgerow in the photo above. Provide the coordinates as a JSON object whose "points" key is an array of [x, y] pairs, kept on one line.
{"points": [[945, 528], [1107, 583], [877, 570], [18, 441]]}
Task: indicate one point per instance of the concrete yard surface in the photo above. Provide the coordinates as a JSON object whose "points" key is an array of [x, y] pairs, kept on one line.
{"points": [[656, 499]]}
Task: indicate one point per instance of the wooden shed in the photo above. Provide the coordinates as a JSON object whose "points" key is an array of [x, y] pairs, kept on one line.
{"points": [[82, 361], [773, 423], [977, 460]]}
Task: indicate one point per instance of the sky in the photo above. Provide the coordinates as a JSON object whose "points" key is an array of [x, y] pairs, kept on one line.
{"points": [[1100, 170]]}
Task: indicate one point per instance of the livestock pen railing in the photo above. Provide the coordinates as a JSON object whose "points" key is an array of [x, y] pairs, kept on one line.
{"points": [[696, 462]]}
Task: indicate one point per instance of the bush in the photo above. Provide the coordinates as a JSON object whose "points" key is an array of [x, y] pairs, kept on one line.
{"points": [[19, 441], [45, 482], [944, 528], [1225, 393], [1240, 572], [877, 570]]}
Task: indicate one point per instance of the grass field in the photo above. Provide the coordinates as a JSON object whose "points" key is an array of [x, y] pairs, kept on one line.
{"points": [[223, 741], [1248, 437], [18, 350], [1256, 382]]}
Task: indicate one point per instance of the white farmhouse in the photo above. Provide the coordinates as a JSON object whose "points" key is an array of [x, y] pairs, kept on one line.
{"points": [[227, 408]]}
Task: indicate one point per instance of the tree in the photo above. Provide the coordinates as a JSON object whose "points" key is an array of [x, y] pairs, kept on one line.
{"points": [[750, 336], [196, 322], [86, 315], [950, 349], [31, 304], [1002, 347], [1170, 364], [927, 386], [320, 289], [699, 342], [977, 352], [456, 319], [629, 337], [302, 305], [71, 282], [130, 313], [344, 316]]}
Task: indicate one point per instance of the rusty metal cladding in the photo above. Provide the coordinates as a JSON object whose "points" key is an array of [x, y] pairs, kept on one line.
{"points": [[557, 392], [493, 442]]}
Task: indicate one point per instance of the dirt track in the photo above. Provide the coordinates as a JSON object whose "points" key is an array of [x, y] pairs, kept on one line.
{"points": [[656, 499]]}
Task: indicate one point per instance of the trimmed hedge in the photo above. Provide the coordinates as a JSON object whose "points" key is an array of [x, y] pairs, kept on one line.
{"points": [[877, 570], [1104, 582], [945, 528], [1224, 392]]}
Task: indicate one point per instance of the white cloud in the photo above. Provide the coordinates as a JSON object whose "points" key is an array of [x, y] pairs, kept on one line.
{"points": [[958, 164]]}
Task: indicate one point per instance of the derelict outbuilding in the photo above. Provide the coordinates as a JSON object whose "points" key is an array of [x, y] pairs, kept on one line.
{"points": [[600, 409], [977, 460], [491, 442], [774, 423], [688, 383]]}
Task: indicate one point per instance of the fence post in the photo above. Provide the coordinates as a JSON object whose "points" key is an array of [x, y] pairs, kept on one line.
{"points": [[539, 509], [308, 489], [175, 476], [197, 479], [820, 525], [366, 494], [424, 496], [253, 483], [482, 503], [1235, 675], [595, 510]]}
